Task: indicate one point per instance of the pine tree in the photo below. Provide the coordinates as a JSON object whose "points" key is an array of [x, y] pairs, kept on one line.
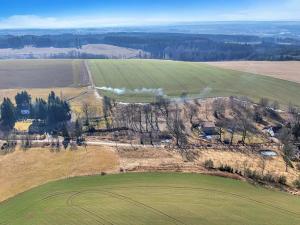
{"points": [[8, 116]]}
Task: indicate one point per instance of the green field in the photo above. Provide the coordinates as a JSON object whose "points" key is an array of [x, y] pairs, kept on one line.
{"points": [[152, 198], [196, 79]]}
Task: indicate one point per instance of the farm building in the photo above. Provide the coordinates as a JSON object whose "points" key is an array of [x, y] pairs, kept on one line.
{"points": [[209, 128]]}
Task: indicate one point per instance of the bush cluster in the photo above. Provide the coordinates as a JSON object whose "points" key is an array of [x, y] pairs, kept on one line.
{"points": [[297, 183], [269, 178], [209, 164], [226, 168]]}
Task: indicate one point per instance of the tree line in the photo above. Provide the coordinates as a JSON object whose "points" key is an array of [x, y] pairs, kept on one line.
{"points": [[186, 47]]}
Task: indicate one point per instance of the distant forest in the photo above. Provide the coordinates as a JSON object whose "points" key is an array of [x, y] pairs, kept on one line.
{"points": [[184, 47]]}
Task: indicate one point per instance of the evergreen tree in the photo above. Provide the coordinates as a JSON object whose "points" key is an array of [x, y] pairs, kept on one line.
{"points": [[40, 109], [58, 111], [8, 117]]}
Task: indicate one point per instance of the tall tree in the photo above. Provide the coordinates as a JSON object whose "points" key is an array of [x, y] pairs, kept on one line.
{"points": [[58, 110], [107, 108], [40, 109], [8, 116]]}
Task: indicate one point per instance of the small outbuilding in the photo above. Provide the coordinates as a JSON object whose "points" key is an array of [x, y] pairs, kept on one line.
{"points": [[209, 128]]}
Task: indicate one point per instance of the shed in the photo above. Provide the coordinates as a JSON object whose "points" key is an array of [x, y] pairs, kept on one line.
{"points": [[209, 128]]}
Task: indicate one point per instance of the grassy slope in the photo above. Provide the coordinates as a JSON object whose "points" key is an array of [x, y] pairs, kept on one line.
{"points": [[151, 199], [197, 79]]}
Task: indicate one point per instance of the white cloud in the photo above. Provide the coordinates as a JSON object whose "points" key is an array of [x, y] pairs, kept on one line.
{"points": [[33, 21], [285, 10]]}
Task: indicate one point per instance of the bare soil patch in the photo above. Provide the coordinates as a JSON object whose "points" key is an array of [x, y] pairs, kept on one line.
{"points": [[289, 70], [42, 74]]}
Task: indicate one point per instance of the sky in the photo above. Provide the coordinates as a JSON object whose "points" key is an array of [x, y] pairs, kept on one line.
{"points": [[105, 13]]}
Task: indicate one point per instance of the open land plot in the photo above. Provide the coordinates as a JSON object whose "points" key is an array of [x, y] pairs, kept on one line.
{"points": [[151, 198], [42, 73], [141, 80], [286, 70]]}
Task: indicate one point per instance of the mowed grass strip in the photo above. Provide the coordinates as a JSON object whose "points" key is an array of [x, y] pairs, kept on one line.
{"points": [[151, 198], [42, 74], [196, 79]]}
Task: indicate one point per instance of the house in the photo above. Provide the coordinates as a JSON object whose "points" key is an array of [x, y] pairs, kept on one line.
{"points": [[25, 109], [209, 128]]}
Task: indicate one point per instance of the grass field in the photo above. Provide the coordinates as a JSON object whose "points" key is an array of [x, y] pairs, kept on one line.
{"points": [[159, 199], [140, 80], [42, 74]]}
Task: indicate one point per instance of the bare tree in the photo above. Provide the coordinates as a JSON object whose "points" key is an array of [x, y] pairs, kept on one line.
{"points": [[191, 111], [289, 153], [218, 107], [176, 127], [86, 112], [107, 110]]}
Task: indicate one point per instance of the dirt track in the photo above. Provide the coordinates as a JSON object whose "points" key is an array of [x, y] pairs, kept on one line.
{"points": [[289, 70]]}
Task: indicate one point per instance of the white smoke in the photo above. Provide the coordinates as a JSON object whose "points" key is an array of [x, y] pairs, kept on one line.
{"points": [[118, 91], [122, 91], [205, 92], [158, 91]]}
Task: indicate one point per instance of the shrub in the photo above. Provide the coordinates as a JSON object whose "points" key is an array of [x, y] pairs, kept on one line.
{"points": [[269, 178], [252, 175], [282, 180], [226, 168], [297, 183], [209, 164], [103, 173]]}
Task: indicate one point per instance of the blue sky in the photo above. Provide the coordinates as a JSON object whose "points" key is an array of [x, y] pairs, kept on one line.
{"points": [[98, 13]]}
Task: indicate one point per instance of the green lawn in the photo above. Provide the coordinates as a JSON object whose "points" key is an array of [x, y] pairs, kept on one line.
{"points": [[196, 79], [149, 199]]}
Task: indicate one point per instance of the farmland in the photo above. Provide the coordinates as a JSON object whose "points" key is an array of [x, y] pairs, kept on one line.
{"points": [[141, 80], [42, 74], [283, 70], [173, 199], [92, 50]]}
